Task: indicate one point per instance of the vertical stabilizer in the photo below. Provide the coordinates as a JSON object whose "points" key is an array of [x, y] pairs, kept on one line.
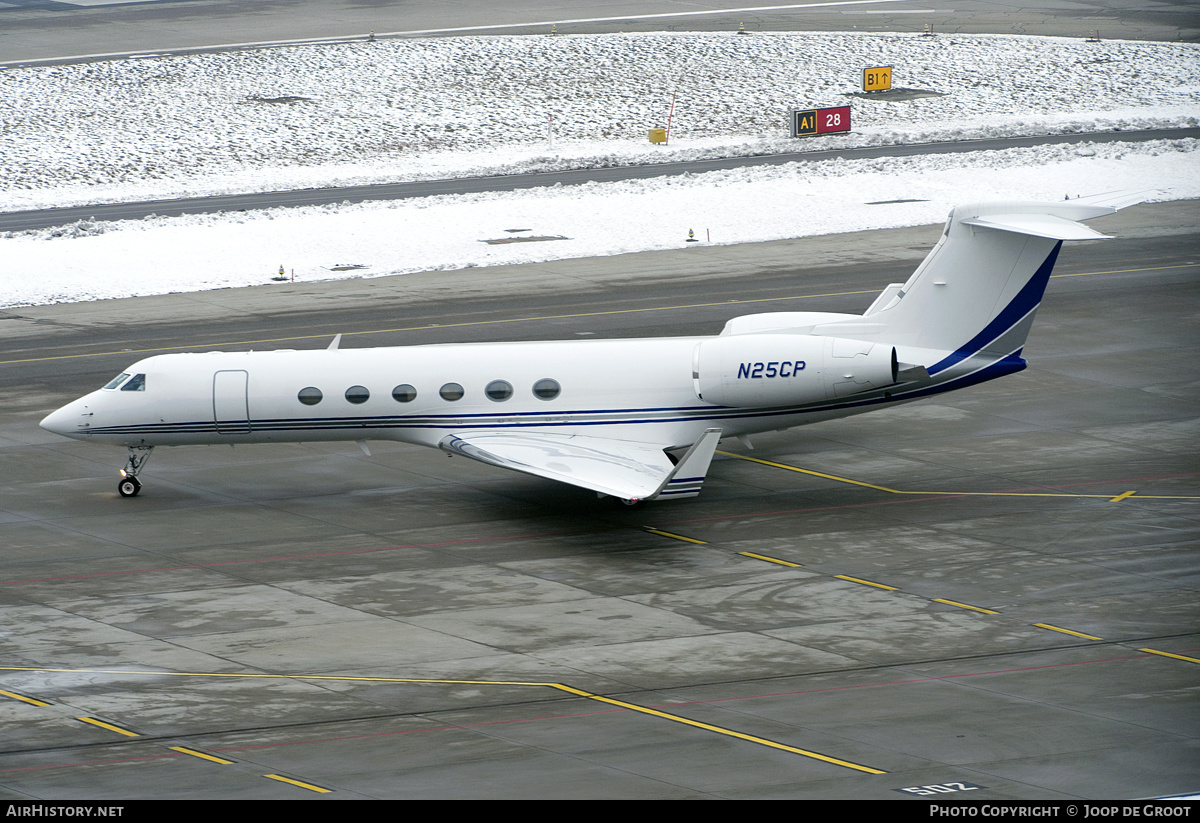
{"points": [[978, 289]]}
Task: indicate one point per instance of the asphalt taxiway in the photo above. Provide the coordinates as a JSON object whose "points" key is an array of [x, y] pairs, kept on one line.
{"points": [[45, 32], [45, 218], [993, 591]]}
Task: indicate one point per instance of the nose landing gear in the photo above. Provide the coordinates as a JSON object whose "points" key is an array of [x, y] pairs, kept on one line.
{"points": [[130, 485]]}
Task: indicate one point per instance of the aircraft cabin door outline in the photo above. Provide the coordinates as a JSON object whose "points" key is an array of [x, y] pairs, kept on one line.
{"points": [[231, 410]]}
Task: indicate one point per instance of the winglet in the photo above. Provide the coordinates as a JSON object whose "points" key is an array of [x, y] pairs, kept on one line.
{"points": [[688, 475], [333, 346]]}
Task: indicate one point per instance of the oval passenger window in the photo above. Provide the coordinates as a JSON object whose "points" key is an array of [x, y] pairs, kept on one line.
{"points": [[546, 389], [499, 390]]}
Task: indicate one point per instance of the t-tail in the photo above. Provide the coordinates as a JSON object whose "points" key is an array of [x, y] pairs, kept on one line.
{"points": [[965, 313]]}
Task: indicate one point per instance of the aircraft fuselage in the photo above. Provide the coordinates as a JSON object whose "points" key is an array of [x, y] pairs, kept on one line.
{"points": [[409, 394], [610, 415]]}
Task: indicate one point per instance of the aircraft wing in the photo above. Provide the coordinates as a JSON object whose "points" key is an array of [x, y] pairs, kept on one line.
{"points": [[619, 468]]}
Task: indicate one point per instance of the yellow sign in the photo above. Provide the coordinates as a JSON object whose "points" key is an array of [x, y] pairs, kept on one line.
{"points": [[804, 122], [877, 79]]}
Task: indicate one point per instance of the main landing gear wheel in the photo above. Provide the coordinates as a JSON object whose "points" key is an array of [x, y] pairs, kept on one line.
{"points": [[129, 486]]}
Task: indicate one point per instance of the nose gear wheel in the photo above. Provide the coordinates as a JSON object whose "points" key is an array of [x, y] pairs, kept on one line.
{"points": [[130, 485]]}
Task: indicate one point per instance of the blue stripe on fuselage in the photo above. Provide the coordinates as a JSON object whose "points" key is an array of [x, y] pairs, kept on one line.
{"points": [[999, 367]]}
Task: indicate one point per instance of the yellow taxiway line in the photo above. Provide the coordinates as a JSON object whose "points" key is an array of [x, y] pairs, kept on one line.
{"points": [[673, 536], [93, 721], [23, 698], [299, 783], [813, 473], [523, 319], [927, 493], [1066, 631], [762, 741], [964, 606], [427, 326], [721, 730], [770, 559], [1168, 654], [865, 582], [202, 755]]}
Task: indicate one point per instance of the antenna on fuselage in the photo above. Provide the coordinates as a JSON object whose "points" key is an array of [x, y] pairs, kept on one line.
{"points": [[333, 346]]}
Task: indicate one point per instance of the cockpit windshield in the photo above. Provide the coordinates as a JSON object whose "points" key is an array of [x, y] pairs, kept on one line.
{"points": [[116, 381], [136, 383]]}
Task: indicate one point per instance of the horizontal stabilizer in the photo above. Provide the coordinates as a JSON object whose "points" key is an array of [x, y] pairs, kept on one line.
{"points": [[1038, 225], [1117, 199]]}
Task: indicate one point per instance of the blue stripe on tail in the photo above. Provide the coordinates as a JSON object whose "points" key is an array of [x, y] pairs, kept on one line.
{"points": [[1028, 299]]}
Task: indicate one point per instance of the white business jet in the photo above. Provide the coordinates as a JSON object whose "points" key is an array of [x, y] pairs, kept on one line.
{"points": [[608, 415]]}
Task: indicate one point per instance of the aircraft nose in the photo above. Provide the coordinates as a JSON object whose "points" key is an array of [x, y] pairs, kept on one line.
{"points": [[72, 420]]}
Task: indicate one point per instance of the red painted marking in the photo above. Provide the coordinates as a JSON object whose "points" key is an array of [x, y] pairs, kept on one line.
{"points": [[664, 706], [1106, 482], [290, 557], [927, 679], [417, 731], [91, 762], [908, 499], [903, 502], [312, 741]]}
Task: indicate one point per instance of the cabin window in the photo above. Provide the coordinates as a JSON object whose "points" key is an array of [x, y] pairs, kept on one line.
{"points": [[404, 393], [546, 389], [451, 392], [357, 394], [116, 381], [499, 390], [136, 383], [310, 396]]}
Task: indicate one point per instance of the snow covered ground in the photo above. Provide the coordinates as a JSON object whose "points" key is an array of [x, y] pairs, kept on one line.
{"points": [[406, 109], [159, 255], [409, 109]]}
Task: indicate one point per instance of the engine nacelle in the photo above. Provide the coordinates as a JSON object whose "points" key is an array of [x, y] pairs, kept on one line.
{"points": [[752, 370]]}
